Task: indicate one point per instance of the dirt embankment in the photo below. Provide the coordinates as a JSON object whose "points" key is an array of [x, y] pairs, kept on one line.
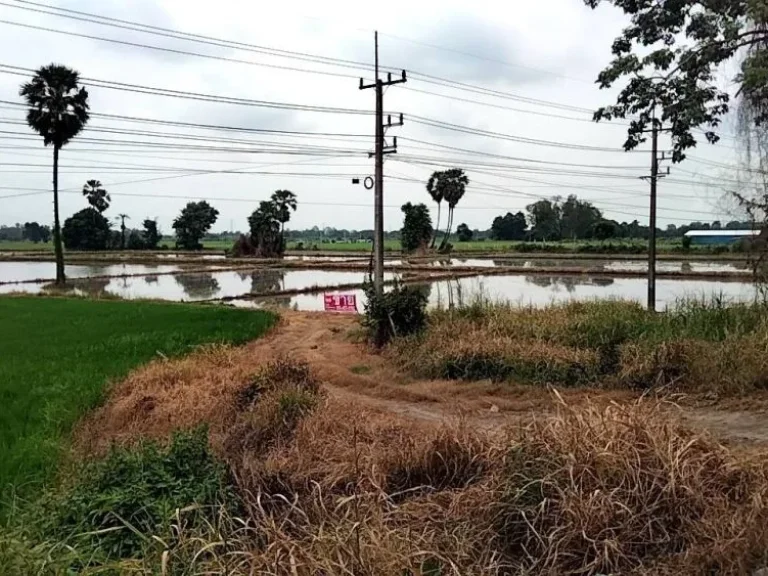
{"points": [[201, 388]]}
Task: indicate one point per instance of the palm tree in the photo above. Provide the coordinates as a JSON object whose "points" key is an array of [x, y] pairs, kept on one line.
{"points": [[98, 198], [449, 185], [458, 182], [58, 111], [284, 201], [436, 192]]}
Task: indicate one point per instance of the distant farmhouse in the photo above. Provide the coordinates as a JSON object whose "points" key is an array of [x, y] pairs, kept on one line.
{"points": [[709, 237]]}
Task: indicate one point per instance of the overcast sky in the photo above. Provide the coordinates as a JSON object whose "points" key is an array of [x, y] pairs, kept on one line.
{"points": [[546, 51]]}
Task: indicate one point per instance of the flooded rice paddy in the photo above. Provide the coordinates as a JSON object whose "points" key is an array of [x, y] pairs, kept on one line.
{"points": [[540, 291], [196, 286], [169, 282]]}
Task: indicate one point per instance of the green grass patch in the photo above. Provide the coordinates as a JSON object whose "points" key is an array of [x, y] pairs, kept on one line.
{"points": [[360, 369], [615, 246], [120, 507], [58, 355], [25, 245]]}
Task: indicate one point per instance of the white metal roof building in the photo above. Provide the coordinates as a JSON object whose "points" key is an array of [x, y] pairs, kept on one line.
{"points": [[719, 236]]}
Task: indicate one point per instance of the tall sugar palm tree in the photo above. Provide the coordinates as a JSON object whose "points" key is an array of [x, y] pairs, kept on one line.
{"points": [[285, 202], [436, 191], [457, 186], [449, 185], [58, 111], [97, 196]]}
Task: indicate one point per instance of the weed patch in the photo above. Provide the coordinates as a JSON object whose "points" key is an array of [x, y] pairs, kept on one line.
{"points": [[112, 507]]}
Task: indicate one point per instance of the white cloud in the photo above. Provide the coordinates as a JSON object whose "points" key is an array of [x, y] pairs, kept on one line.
{"points": [[552, 50]]}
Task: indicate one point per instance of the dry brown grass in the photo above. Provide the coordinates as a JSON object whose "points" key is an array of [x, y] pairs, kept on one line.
{"points": [[616, 490], [697, 347], [335, 486], [332, 485]]}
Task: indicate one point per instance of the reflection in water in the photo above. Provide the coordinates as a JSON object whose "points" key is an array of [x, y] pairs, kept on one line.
{"points": [[449, 293], [153, 279], [198, 286], [80, 287], [569, 283], [265, 281]]}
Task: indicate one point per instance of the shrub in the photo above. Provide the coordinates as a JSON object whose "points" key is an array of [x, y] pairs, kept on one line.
{"points": [[115, 503], [400, 311]]}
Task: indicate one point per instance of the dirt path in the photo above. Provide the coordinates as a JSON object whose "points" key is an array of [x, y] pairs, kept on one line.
{"points": [[165, 395]]}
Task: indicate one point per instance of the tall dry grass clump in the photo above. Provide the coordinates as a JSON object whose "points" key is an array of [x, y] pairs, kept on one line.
{"points": [[322, 486], [696, 346], [616, 490], [629, 488]]}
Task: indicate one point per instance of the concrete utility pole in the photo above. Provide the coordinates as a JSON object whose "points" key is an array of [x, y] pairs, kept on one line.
{"points": [[654, 177], [122, 218], [380, 149], [652, 219]]}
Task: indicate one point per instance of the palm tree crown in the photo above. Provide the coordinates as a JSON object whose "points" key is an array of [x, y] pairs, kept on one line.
{"points": [[284, 201], [97, 196], [58, 107]]}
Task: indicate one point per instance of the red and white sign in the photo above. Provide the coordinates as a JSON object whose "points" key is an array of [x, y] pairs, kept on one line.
{"points": [[340, 303]]}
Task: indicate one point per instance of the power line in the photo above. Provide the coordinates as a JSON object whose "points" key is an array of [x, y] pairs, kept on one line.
{"points": [[153, 91], [181, 136], [298, 150], [122, 118], [517, 158], [520, 110], [498, 135], [200, 38], [179, 35], [170, 50]]}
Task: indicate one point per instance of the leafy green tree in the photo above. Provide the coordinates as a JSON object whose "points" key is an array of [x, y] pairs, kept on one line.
{"points": [[194, 221], [285, 202], [544, 216], [674, 82], [464, 233], [416, 233], [266, 236], [86, 230], [604, 230], [578, 218], [33, 232], [58, 111], [97, 196], [151, 235], [135, 240], [509, 227]]}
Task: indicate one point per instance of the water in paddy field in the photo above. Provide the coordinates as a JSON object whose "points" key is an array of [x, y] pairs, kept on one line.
{"points": [[192, 256], [542, 290], [192, 286], [26, 271], [606, 265]]}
